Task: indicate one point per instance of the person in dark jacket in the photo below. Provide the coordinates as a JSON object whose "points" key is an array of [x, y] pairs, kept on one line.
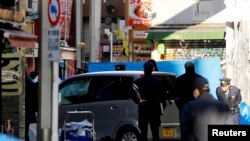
{"points": [[231, 96], [184, 85], [205, 110], [31, 100], [149, 100]]}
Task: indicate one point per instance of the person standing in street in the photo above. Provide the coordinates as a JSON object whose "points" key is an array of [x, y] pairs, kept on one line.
{"points": [[31, 100], [149, 100], [184, 85], [205, 110], [230, 95]]}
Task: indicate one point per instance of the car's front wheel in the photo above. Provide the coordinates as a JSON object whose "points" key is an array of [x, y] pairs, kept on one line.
{"points": [[127, 134]]}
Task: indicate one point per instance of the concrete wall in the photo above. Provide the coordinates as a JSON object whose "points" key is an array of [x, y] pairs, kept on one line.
{"points": [[188, 11]]}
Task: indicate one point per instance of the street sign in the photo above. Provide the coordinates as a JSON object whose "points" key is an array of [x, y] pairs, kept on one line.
{"points": [[54, 12], [54, 39]]}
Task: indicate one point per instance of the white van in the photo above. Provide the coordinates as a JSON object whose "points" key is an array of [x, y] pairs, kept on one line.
{"points": [[106, 94]]}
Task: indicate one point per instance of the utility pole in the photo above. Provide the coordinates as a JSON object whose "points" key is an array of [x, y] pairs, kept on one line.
{"points": [[45, 80], [95, 26]]}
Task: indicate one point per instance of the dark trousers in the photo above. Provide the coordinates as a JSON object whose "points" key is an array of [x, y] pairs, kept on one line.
{"points": [[146, 119], [143, 125]]}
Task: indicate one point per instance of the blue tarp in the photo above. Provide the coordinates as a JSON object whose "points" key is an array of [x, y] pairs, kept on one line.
{"points": [[244, 113], [210, 68], [5, 137]]}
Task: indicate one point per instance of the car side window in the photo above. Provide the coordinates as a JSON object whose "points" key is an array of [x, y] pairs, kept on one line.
{"points": [[168, 85], [106, 88], [75, 91], [122, 88]]}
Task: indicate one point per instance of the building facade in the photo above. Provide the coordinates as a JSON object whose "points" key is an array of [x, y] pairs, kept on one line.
{"points": [[18, 45]]}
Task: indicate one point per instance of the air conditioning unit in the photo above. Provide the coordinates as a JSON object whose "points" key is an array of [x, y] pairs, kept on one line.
{"points": [[32, 6]]}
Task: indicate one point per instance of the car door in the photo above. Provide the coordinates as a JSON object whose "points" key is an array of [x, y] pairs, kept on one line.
{"points": [[105, 109], [110, 95]]}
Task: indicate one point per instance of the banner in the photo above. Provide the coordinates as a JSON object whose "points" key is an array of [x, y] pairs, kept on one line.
{"points": [[65, 17]]}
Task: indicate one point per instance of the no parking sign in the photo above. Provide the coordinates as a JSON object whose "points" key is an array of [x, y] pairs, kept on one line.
{"points": [[54, 12]]}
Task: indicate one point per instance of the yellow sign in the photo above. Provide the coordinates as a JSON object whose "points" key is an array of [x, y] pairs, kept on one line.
{"points": [[12, 74], [125, 47], [167, 132], [119, 33]]}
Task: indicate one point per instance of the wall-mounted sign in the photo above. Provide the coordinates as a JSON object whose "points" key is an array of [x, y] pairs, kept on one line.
{"points": [[12, 73], [139, 34], [54, 53], [202, 10], [139, 12]]}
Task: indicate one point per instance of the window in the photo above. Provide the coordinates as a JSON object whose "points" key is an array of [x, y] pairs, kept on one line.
{"points": [[106, 88], [75, 91]]}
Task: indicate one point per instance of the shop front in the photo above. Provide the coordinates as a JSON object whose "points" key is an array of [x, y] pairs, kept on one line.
{"points": [[188, 42], [14, 47]]}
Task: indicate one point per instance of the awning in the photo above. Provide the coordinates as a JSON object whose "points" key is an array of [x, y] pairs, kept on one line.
{"points": [[206, 33], [18, 38], [21, 43]]}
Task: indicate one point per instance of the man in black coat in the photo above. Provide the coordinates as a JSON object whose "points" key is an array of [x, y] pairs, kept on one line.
{"points": [[184, 85], [231, 96], [205, 110], [31, 101], [151, 95]]}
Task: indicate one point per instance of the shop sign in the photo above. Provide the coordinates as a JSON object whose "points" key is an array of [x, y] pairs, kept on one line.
{"points": [[12, 74], [125, 46], [118, 50], [139, 12], [202, 10], [30, 52], [105, 48], [139, 34]]}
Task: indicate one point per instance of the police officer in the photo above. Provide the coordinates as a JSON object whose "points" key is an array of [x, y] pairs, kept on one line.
{"points": [[231, 96]]}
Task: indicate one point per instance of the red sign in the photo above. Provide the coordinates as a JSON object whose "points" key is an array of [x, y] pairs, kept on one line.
{"points": [[65, 17], [140, 12], [54, 12]]}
